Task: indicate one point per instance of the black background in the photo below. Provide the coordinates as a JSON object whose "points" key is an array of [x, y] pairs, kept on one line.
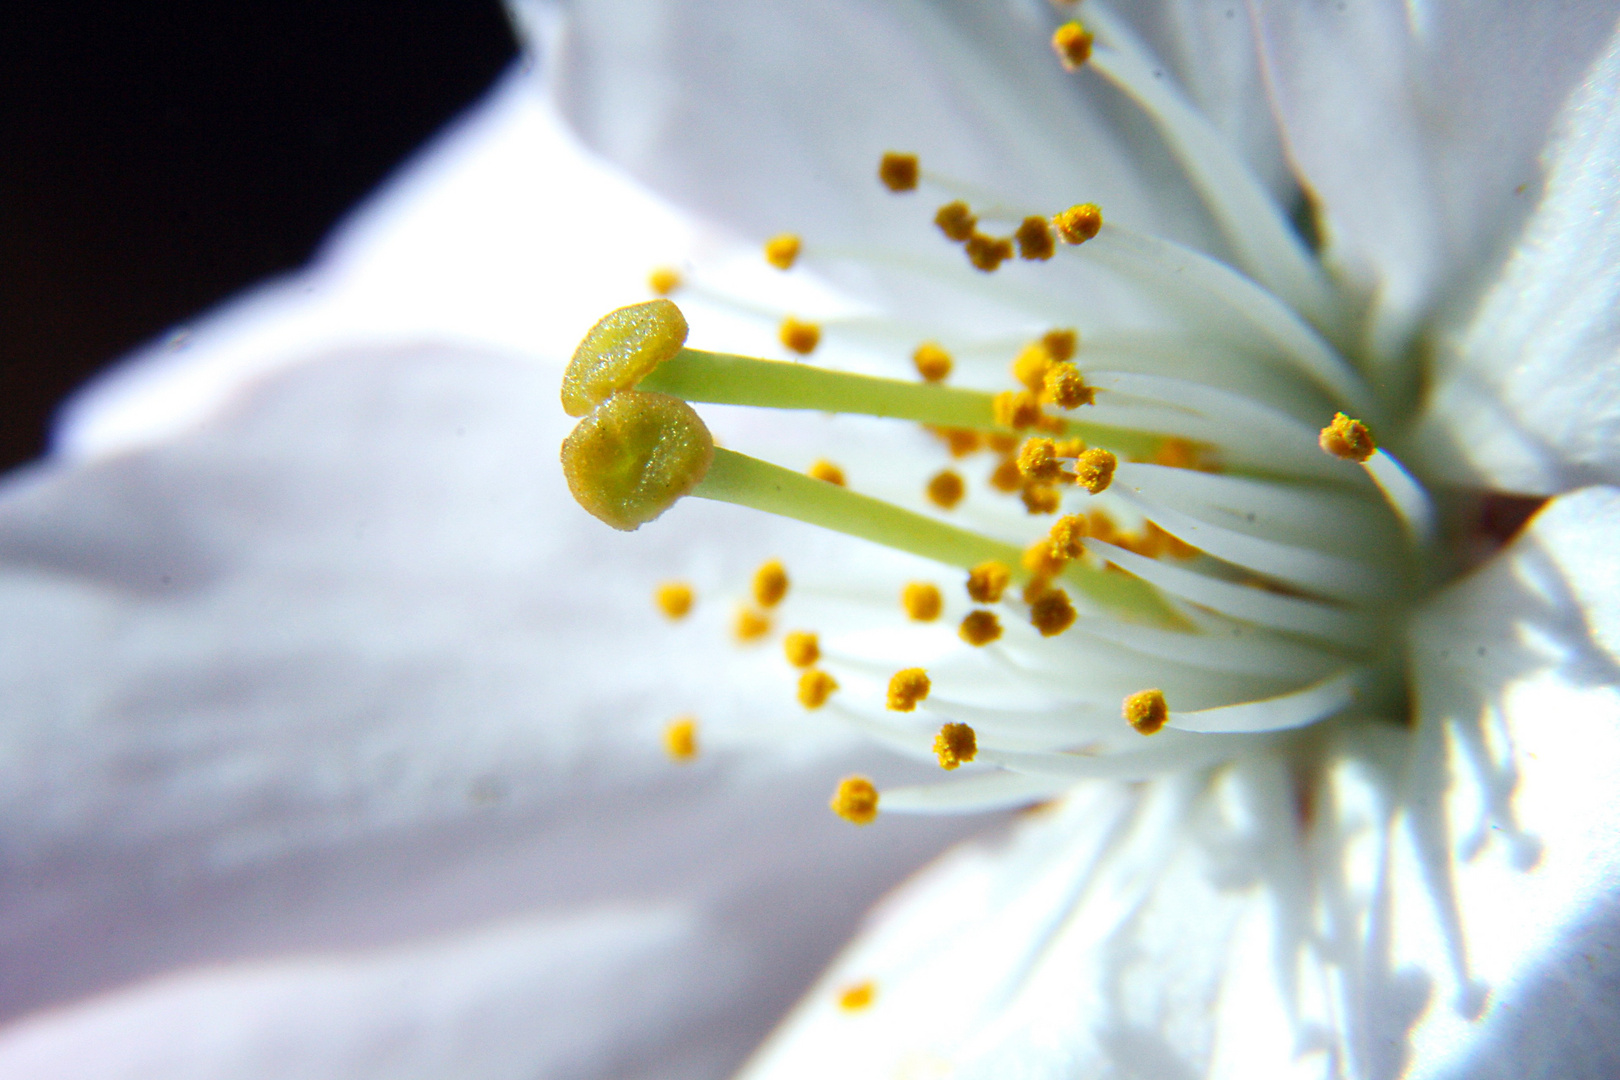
{"points": [[157, 155]]}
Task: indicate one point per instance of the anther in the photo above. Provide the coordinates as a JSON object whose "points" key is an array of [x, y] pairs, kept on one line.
{"points": [[815, 687], [1034, 238], [680, 738], [1031, 365], [955, 745], [960, 442], [1051, 613], [674, 599], [856, 800], [1078, 224], [802, 648], [1041, 561], [750, 625], [857, 997], [770, 584], [781, 251], [1071, 448], [1146, 711], [922, 601], [663, 280], [1094, 470], [987, 253], [1038, 461], [826, 470], [907, 687], [1006, 478], [1348, 439], [945, 489], [1040, 498], [898, 172], [987, 581], [799, 337], [1072, 43], [979, 627], [1064, 387], [1018, 409], [956, 220], [1067, 537], [933, 362], [635, 455], [619, 351], [1061, 344]]}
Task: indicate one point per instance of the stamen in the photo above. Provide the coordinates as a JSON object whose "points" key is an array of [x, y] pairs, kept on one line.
{"points": [[945, 489], [826, 470], [781, 251], [898, 172], [906, 688], [922, 601], [857, 997], [750, 625], [802, 648], [957, 221], [1079, 223], [1067, 538], [1351, 441], [1348, 439], [663, 280], [619, 351], [800, 337], [1042, 561], [770, 584], [1038, 461], [1146, 711], [1064, 387], [815, 687], [979, 627], [933, 362], [987, 253], [1052, 613], [1031, 365], [1034, 237], [674, 599], [856, 800], [955, 745], [1061, 344], [987, 581], [680, 738], [1017, 409], [635, 455], [1094, 470], [1072, 43]]}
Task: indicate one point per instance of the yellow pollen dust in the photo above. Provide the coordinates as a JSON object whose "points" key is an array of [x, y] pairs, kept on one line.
{"points": [[1146, 711], [955, 745], [680, 738], [922, 601], [1041, 498], [1078, 224], [987, 253], [1034, 238], [674, 599], [663, 280], [856, 800], [1031, 365], [781, 251], [799, 337], [1067, 540], [1017, 409], [815, 687], [945, 489], [1040, 560], [858, 996], [898, 172], [1038, 461], [1072, 43], [802, 648], [1066, 388], [1094, 470], [933, 362], [770, 584], [623, 348], [908, 687], [956, 220], [1348, 439], [979, 627], [750, 625], [987, 581], [1006, 478], [1061, 344], [1051, 613], [826, 470]]}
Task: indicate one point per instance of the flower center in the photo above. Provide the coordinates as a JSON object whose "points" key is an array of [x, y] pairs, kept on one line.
{"points": [[1184, 548]]}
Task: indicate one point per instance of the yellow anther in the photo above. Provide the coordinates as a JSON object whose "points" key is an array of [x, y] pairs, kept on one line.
{"points": [[1002, 442], [1006, 478], [959, 441], [898, 171], [634, 456], [802, 648], [1061, 344], [1078, 224], [933, 362], [1094, 470], [826, 470], [1146, 711], [956, 220], [770, 584], [750, 625], [1072, 43], [1051, 613], [921, 601], [664, 280], [979, 627], [1070, 448], [680, 738], [1041, 498], [1067, 540], [618, 352], [858, 996], [1034, 238], [1040, 561], [987, 581], [1101, 527], [674, 599], [781, 251], [1348, 439], [1036, 587], [987, 253], [815, 687], [1031, 365], [907, 687], [1038, 461], [799, 337], [945, 489], [1018, 409], [955, 745], [856, 800], [1065, 388]]}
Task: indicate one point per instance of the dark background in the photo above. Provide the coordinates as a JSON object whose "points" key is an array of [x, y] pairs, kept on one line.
{"points": [[158, 155]]}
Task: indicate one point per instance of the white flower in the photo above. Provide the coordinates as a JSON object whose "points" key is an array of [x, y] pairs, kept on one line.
{"points": [[323, 733]]}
